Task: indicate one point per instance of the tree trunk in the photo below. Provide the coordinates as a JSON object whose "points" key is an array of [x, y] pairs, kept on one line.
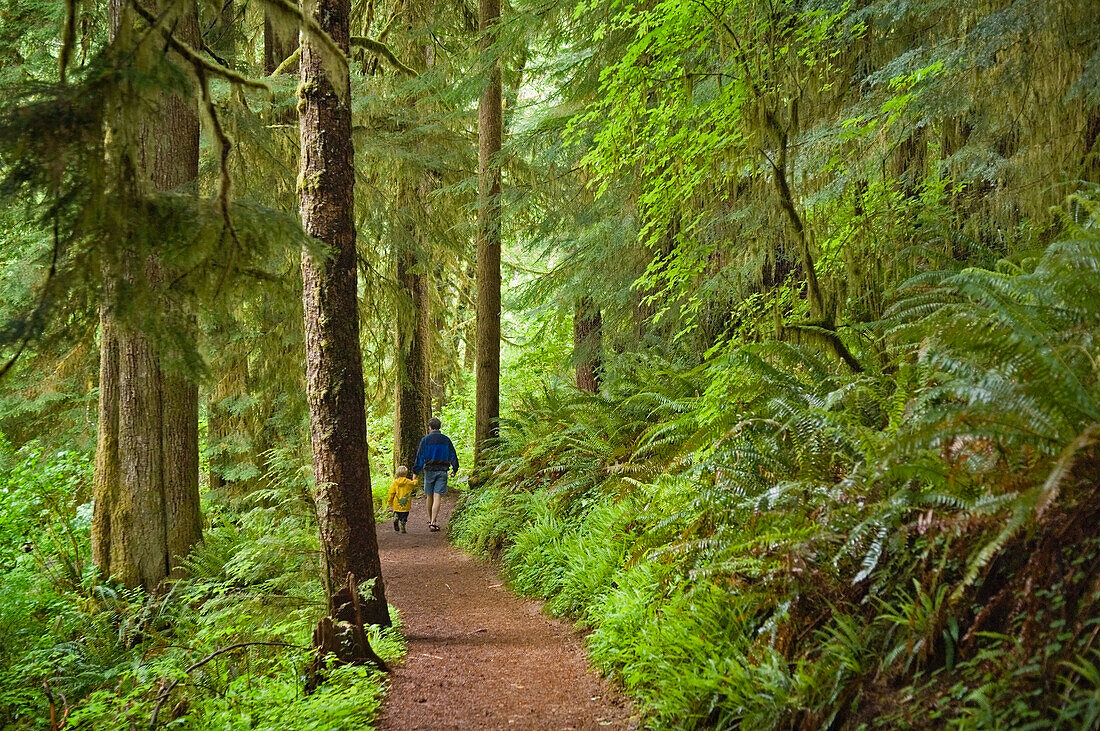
{"points": [[180, 443], [175, 166], [490, 134], [823, 316], [146, 483], [425, 321], [106, 482], [412, 403], [587, 344], [334, 369], [139, 550]]}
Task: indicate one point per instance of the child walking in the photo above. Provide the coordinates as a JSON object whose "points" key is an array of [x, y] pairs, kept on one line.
{"points": [[399, 499]]}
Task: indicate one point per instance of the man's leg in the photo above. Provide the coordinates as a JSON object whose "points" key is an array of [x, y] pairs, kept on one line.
{"points": [[429, 493], [440, 489]]}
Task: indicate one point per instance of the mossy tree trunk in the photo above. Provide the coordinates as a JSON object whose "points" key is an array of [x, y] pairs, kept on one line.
{"points": [[146, 514], [490, 133], [412, 402], [175, 166], [587, 344], [106, 481], [413, 397], [334, 369]]}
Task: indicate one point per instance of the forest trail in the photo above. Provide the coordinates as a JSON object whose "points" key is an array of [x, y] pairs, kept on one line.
{"points": [[479, 656]]}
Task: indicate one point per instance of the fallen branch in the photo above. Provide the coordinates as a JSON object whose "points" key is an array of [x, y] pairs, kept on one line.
{"points": [[166, 691]]}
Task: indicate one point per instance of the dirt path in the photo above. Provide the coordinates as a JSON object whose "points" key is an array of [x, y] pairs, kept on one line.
{"points": [[480, 657]]}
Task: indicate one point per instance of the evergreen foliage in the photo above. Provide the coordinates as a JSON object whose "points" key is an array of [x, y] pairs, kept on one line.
{"points": [[769, 541], [840, 467], [111, 658]]}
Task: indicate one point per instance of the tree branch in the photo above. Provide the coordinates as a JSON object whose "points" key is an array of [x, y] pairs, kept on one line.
{"points": [[194, 57], [290, 61], [310, 27], [382, 50]]}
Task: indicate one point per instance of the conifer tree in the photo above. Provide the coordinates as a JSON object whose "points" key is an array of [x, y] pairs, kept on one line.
{"points": [[334, 369], [490, 129], [413, 397], [412, 402], [146, 514], [280, 44], [587, 343]]}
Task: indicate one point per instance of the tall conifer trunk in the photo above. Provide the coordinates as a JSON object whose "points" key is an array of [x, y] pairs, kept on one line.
{"points": [[139, 549], [413, 398], [175, 165], [146, 514], [587, 343], [412, 402], [334, 368], [106, 483], [489, 132]]}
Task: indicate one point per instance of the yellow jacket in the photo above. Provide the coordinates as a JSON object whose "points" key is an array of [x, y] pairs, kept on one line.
{"points": [[399, 498]]}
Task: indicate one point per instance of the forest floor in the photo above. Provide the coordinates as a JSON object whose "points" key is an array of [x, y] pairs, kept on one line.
{"points": [[479, 657]]}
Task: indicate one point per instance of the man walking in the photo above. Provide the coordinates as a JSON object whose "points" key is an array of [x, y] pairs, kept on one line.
{"points": [[434, 455]]}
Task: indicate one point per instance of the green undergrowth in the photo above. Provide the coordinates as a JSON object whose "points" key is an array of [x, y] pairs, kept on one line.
{"points": [[771, 541], [224, 649]]}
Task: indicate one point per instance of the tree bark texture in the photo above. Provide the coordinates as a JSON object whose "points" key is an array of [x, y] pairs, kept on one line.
{"points": [[106, 481], [490, 132], [180, 441], [413, 398], [412, 403], [587, 344], [139, 549], [146, 515], [334, 369], [175, 165]]}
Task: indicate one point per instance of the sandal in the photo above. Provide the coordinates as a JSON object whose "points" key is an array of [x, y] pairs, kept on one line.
{"points": [[433, 527]]}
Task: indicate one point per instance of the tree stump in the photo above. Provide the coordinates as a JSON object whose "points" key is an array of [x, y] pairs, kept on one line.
{"points": [[342, 635]]}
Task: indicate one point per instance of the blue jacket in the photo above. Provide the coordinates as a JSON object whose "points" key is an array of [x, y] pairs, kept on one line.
{"points": [[436, 452]]}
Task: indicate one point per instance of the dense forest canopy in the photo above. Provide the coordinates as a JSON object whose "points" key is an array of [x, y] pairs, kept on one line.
{"points": [[766, 331]]}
